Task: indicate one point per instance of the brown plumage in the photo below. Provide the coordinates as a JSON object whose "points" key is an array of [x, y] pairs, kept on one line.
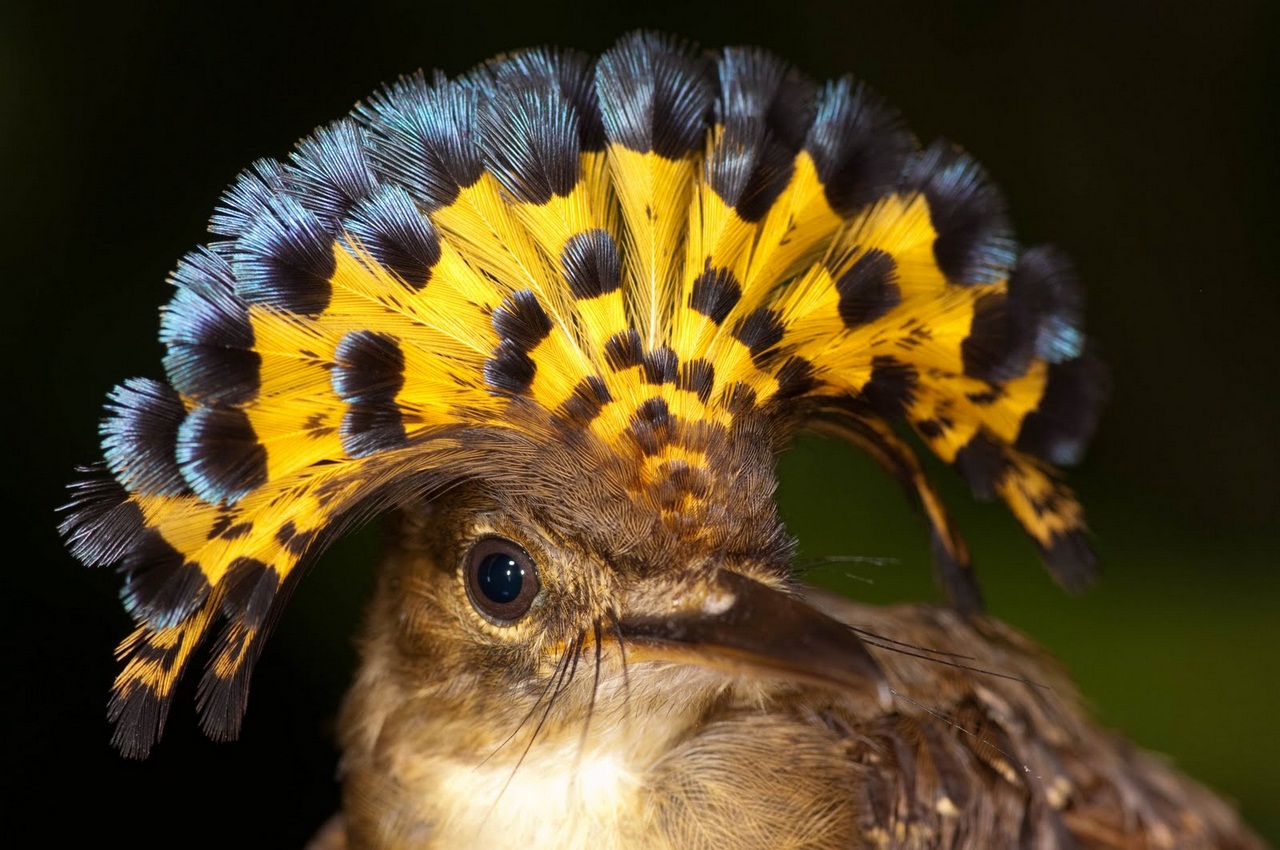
{"points": [[571, 734]]}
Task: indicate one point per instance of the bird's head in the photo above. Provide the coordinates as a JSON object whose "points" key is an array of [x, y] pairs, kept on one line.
{"points": [[515, 602], [563, 313], [529, 634]]}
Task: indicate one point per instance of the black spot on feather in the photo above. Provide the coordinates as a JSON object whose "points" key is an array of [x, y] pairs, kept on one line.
{"points": [[219, 454], [983, 464], [368, 373], [529, 134], [986, 397], [697, 376], [857, 144], [660, 366], [765, 109], [623, 350], [206, 329], [161, 587], [996, 349], [140, 434], [569, 73], [591, 264], [236, 531], [715, 292], [285, 259], [521, 324], [655, 94], [423, 137], [974, 243], [1070, 559], [404, 241], [868, 289], [739, 399], [589, 396], [1046, 305], [226, 517], [930, 429], [651, 425], [760, 331], [367, 366], [329, 173], [795, 378], [368, 428], [891, 389], [251, 587], [521, 320], [1060, 427], [509, 369], [297, 542]]}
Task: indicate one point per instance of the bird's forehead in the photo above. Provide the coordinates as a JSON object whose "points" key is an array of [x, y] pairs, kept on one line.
{"points": [[706, 493]]}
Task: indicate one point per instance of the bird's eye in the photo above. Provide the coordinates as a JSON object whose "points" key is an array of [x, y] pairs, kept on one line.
{"points": [[501, 580]]}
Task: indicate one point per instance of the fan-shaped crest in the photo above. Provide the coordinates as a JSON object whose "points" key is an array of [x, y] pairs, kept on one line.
{"points": [[641, 249]]}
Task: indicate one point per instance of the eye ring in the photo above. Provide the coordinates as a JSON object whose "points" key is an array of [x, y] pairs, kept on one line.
{"points": [[501, 580]]}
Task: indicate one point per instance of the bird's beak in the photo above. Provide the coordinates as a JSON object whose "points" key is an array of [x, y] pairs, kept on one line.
{"points": [[744, 627]]}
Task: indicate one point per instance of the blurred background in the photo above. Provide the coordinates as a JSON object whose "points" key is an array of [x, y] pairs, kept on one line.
{"points": [[1141, 137]]}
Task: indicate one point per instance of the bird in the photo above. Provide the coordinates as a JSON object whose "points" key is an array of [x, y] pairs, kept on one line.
{"points": [[557, 318]]}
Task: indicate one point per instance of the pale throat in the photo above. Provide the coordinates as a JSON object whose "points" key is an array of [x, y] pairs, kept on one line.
{"points": [[566, 790]]}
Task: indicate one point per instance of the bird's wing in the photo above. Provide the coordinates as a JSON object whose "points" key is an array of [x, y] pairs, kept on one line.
{"points": [[989, 744]]}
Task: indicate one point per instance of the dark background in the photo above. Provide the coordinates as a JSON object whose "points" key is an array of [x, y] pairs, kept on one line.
{"points": [[1140, 137]]}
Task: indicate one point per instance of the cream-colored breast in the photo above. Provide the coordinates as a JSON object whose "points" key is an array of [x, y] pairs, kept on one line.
{"points": [[559, 795]]}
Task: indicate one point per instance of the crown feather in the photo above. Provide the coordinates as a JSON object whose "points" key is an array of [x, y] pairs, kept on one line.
{"points": [[645, 249]]}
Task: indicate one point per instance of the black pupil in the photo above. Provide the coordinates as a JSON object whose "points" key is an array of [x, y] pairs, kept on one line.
{"points": [[500, 578]]}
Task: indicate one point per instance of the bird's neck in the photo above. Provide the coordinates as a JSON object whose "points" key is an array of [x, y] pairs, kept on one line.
{"points": [[563, 792], [556, 781]]}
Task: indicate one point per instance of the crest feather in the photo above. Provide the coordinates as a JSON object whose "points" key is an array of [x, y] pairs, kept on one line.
{"points": [[645, 250]]}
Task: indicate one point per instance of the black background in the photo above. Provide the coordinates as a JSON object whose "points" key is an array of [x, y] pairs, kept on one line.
{"points": [[1140, 137]]}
